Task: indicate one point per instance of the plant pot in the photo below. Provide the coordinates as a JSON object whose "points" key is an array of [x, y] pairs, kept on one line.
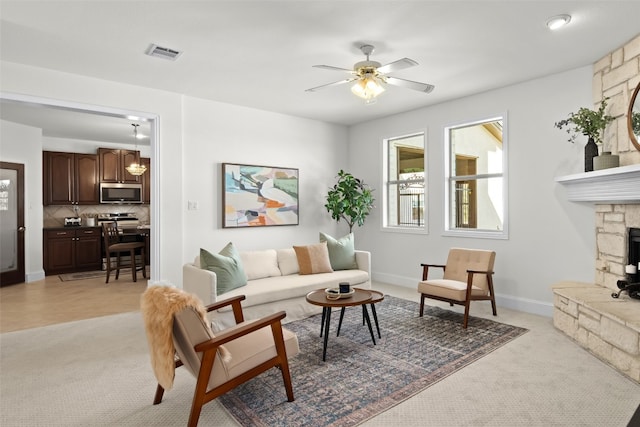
{"points": [[590, 151], [606, 160]]}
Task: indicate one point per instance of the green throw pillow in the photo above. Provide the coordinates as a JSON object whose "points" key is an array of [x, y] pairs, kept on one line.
{"points": [[341, 251], [227, 266]]}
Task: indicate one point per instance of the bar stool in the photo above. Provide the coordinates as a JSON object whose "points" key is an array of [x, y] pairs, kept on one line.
{"points": [[112, 244]]}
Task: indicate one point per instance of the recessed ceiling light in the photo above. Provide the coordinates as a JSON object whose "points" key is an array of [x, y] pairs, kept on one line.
{"points": [[558, 21]]}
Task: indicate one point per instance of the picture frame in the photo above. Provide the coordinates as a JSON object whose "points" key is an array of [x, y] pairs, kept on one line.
{"points": [[259, 196]]}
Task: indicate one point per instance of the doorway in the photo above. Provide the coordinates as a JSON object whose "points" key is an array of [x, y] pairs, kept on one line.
{"points": [[109, 113], [12, 228]]}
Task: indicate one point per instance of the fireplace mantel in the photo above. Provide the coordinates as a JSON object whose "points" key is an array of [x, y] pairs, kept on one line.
{"points": [[619, 185]]}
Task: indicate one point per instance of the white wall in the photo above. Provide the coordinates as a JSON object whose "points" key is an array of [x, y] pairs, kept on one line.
{"points": [[216, 133], [13, 138], [550, 239], [85, 146]]}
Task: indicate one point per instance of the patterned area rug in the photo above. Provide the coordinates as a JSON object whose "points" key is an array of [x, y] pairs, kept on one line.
{"points": [[360, 380]]}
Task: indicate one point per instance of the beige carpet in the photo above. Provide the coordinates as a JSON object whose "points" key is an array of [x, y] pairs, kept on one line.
{"points": [[96, 373]]}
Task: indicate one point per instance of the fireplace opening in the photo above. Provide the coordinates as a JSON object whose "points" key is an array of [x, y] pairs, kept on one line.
{"points": [[634, 253], [634, 249], [631, 284]]}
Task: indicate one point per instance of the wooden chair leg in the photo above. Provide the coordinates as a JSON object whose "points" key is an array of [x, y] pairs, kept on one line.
{"points": [[421, 304], [108, 267], [466, 313], [286, 377], [199, 395], [142, 260], [159, 393], [118, 266], [493, 298], [134, 274], [278, 339], [160, 390]]}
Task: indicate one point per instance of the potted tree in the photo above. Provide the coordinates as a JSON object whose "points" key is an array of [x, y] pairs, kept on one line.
{"points": [[591, 124], [350, 199]]}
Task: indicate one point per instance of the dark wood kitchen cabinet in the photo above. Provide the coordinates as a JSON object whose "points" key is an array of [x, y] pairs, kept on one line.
{"points": [[69, 178], [113, 163], [68, 250], [146, 180]]}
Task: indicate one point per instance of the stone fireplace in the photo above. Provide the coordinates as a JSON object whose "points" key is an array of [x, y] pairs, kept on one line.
{"points": [[609, 327]]}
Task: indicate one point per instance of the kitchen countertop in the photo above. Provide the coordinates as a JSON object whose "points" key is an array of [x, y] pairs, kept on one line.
{"points": [[73, 227]]}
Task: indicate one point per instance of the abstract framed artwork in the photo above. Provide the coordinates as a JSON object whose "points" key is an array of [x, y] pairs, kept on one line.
{"points": [[258, 196]]}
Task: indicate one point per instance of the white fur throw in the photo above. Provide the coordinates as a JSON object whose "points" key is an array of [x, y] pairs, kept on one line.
{"points": [[158, 305]]}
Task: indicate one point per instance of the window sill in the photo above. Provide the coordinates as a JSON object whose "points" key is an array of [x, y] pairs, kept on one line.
{"points": [[477, 234], [406, 230]]}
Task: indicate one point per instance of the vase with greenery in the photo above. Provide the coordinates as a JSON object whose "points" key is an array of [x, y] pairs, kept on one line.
{"points": [[350, 199], [590, 123]]}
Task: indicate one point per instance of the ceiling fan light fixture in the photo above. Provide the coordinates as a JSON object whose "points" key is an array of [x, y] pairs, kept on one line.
{"points": [[367, 88]]}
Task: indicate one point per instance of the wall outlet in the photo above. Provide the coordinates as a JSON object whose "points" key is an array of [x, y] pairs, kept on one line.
{"points": [[192, 205]]}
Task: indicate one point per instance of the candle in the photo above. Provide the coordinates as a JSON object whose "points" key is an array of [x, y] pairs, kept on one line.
{"points": [[630, 269]]}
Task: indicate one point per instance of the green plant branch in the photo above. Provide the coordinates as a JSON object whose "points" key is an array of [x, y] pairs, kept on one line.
{"points": [[587, 122]]}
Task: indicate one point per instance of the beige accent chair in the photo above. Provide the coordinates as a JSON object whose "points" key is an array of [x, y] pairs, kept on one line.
{"points": [[223, 360], [468, 276]]}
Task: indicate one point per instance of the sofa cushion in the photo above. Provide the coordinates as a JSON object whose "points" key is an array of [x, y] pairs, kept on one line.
{"points": [[288, 261], [271, 289], [313, 259], [342, 254], [260, 264], [228, 268]]}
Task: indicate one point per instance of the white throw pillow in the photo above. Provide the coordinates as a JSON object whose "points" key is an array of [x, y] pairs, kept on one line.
{"points": [[288, 262], [260, 264]]}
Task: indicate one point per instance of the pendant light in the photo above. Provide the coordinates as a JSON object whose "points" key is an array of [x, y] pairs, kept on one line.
{"points": [[135, 168]]}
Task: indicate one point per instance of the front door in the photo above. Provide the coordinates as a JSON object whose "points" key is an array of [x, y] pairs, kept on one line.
{"points": [[11, 223]]}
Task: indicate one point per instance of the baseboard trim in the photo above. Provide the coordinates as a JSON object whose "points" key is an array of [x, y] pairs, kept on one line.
{"points": [[511, 302], [34, 277]]}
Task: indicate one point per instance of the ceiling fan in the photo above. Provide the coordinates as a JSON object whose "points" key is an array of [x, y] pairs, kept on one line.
{"points": [[371, 76]]}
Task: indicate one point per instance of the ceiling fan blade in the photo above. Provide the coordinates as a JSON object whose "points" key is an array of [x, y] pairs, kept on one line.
{"points": [[332, 68], [400, 64], [422, 87], [339, 82]]}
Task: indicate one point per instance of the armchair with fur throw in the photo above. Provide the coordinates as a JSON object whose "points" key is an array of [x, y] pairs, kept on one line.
{"points": [[178, 334]]}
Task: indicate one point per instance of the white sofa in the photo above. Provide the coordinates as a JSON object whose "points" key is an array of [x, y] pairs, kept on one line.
{"points": [[273, 284]]}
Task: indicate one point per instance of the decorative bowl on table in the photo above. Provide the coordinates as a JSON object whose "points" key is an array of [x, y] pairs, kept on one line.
{"points": [[334, 293]]}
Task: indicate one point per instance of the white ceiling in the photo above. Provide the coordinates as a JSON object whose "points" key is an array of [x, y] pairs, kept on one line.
{"points": [[260, 53]]}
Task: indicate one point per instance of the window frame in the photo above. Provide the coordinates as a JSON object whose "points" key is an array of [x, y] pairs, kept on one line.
{"points": [[384, 217], [448, 180]]}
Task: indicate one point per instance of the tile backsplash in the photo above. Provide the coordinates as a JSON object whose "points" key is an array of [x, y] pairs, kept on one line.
{"points": [[53, 216]]}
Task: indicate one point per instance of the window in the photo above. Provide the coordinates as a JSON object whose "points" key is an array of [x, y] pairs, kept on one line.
{"points": [[404, 186], [476, 179]]}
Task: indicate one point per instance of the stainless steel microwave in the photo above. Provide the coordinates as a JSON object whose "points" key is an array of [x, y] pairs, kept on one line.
{"points": [[120, 193]]}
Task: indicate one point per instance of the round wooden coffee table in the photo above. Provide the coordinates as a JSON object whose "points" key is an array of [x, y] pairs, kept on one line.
{"points": [[360, 297]]}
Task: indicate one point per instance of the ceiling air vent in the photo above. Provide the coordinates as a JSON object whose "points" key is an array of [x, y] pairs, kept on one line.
{"points": [[163, 52]]}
